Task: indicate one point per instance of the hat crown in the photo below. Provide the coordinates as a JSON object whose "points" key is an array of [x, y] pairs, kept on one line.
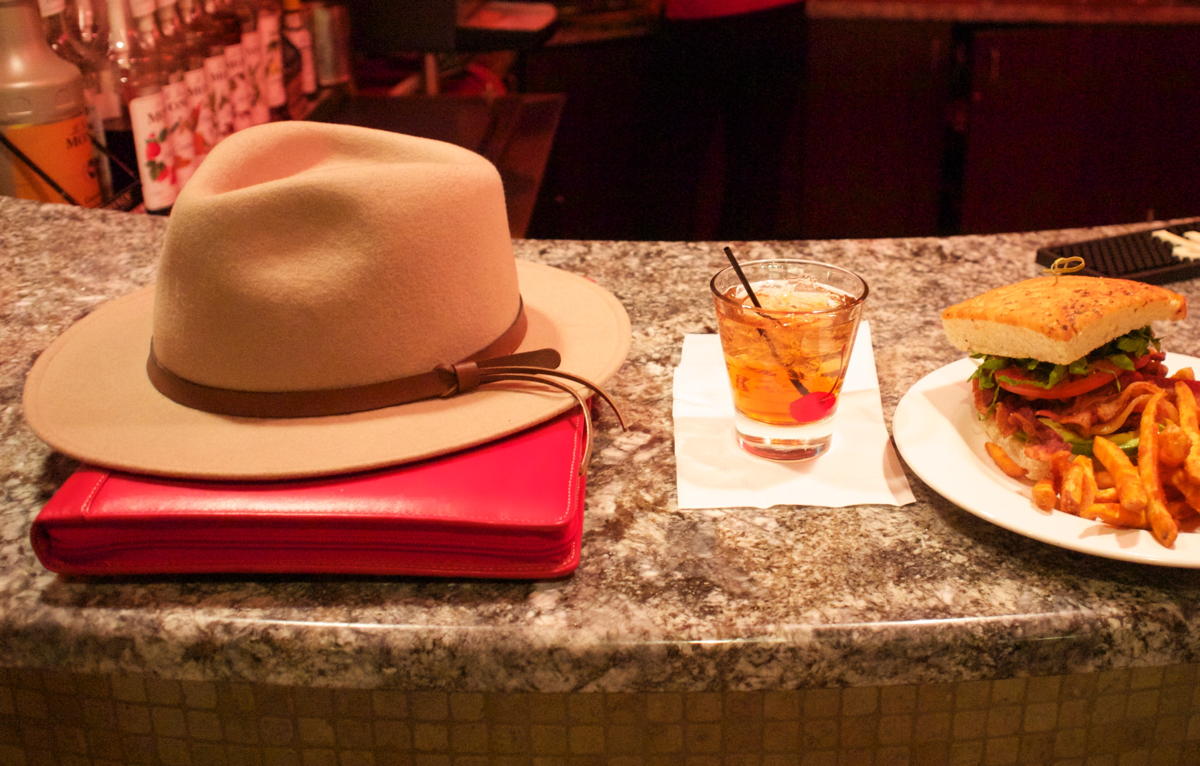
{"points": [[306, 256]]}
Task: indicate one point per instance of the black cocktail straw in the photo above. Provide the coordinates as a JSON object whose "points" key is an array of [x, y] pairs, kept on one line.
{"points": [[737, 267]]}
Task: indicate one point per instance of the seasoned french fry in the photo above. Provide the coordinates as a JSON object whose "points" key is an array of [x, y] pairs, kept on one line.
{"points": [[1099, 511], [1186, 400], [1078, 486], [1088, 482], [1070, 494], [1180, 480], [1059, 463], [1003, 461], [1162, 524], [1167, 411], [1104, 480], [1183, 373], [1115, 514], [1173, 446], [1105, 494], [1131, 494], [1044, 496], [1180, 510], [1148, 448]]}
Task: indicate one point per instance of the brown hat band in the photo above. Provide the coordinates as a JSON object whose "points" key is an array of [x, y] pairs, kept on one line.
{"points": [[443, 381]]}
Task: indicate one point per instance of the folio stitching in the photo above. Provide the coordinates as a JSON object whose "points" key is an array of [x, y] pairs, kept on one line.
{"points": [[87, 501]]}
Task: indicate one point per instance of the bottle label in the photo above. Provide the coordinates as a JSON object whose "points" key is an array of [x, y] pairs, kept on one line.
{"points": [[301, 40], [204, 132], [239, 86], [148, 119], [52, 7], [180, 130], [256, 77], [268, 29], [220, 96], [62, 151]]}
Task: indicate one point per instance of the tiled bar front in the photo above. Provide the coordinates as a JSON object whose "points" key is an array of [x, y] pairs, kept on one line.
{"points": [[1142, 716]]}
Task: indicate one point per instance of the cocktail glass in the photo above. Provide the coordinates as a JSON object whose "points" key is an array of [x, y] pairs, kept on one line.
{"points": [[787, 355]]}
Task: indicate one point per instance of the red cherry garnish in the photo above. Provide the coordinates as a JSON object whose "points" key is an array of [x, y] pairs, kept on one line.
{"points": [[812, 407]]}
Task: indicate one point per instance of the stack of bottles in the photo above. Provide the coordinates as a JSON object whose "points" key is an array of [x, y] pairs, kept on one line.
{"points": [[117, 102]]}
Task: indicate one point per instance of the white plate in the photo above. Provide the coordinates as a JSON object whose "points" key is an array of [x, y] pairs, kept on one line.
{"points": [[936, 433]]}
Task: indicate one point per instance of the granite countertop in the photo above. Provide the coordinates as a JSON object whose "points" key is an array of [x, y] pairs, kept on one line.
{"points": [[664, 599]]}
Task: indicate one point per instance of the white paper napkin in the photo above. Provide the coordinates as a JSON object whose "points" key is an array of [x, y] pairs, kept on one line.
{"points": [[712, 471]]}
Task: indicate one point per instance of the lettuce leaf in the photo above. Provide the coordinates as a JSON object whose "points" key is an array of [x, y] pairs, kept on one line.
{"points": [[1121, 352]]}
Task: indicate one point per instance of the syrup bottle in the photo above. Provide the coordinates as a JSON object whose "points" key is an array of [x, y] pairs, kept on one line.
{"points": [[240, 84], [270, 19], [172, 63], [139, 132], [90, 19], [65, 39], [303, 86], [204, 34], [199, 116], [45, 152], [252, 50]]}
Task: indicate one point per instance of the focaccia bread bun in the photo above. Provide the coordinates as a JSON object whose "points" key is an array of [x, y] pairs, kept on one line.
{"points": [[1057, 319]]}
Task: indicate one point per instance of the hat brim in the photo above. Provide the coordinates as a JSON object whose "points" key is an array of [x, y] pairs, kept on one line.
{"points": [[88, 396]]}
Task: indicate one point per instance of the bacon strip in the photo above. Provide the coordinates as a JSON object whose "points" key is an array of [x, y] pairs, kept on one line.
{"points": [[1104, 413]]}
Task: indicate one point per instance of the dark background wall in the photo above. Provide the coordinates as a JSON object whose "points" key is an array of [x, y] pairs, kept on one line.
{"points": [[907, 129]]}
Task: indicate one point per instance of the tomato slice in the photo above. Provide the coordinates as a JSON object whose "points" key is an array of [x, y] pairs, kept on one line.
{"points": [[1013, 379]]}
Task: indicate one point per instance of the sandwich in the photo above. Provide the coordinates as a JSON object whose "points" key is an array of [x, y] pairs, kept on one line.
{"points": [[1061, 359]]}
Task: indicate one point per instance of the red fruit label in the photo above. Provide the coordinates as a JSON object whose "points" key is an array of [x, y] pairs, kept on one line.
{"points": [[156, 160]]}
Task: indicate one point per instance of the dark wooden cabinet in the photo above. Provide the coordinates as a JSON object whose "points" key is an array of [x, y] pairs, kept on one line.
{"points": [[911, 128], [874, 139], [1081, 125], [865, 160], [592, 184]]}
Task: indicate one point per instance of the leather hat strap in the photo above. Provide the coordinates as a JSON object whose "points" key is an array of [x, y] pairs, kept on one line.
{"points": [[443, 380]]}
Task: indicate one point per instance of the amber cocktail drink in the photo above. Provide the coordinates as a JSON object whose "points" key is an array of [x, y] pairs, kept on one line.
{"points": [[787, 356]]}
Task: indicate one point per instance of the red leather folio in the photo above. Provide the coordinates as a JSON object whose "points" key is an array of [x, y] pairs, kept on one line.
{"points": [[512, 509]]}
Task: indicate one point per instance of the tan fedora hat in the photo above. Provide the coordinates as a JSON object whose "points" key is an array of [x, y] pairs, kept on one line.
{"points": [[313, 277]]}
